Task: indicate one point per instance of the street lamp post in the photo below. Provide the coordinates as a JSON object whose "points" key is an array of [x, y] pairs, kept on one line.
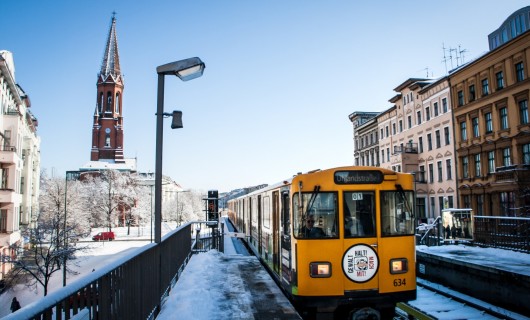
{"points": [[187, 69]]}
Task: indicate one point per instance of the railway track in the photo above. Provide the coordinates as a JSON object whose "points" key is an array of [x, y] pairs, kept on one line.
{"points": [[437, 302]]}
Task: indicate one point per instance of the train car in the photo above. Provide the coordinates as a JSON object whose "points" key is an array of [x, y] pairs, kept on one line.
{"points": [[338, 241]]}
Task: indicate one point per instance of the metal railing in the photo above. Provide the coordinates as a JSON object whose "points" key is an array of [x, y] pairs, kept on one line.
{"points": [[135, 288], [511, 233]]}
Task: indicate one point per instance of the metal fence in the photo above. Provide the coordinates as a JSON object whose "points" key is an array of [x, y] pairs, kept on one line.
{"points": [[511, 233], [503, 232], [131, 289]]}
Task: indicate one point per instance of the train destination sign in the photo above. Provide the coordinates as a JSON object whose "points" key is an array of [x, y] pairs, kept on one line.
{"points": [[358, 177]]}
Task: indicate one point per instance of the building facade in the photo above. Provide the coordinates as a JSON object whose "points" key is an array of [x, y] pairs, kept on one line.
{"points": [[365, 137], [490, 98], [19, 160]]}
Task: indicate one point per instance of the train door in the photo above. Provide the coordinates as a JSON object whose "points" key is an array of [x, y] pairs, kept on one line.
{"points": [[360, 262], [260, 219], [275, 231], [286, 237]]}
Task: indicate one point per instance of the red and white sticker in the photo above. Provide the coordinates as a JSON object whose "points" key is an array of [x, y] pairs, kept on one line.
{"points": [[360, 263]]}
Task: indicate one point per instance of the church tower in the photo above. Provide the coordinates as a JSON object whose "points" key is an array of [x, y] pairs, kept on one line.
{"points": [[107, 130]]}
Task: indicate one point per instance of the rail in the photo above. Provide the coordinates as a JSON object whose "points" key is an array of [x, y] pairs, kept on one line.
{"points": [[135, 288], [511, 233]]}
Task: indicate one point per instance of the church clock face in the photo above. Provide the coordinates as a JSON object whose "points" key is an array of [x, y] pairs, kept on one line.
{"points": [[107, 130]]}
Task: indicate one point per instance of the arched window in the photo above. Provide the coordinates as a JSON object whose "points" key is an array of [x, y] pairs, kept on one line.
{"points": [[101, 101], [109, 102], [117, 102]]}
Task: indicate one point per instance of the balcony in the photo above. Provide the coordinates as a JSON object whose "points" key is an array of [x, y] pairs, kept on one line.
{"points": [[514, 173], [10, 196], [408, 148], [8, 154]]}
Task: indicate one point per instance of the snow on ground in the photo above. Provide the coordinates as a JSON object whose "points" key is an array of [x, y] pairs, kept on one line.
{"points": [[517, 262], [97, 255]]}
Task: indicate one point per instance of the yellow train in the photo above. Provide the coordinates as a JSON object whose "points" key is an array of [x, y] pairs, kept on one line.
{"points": [[338, 241]]}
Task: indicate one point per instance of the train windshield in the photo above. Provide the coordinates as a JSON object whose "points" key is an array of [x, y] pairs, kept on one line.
{"points": [[317, 216], [359, 214], [397, 218]]}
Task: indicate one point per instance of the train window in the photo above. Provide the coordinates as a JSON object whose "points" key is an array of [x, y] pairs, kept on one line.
{"points": [[397, 217], [317, 216], [359, 214]]}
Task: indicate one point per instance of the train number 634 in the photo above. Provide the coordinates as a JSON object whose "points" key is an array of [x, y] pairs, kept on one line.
{"points": [[400, 282]]}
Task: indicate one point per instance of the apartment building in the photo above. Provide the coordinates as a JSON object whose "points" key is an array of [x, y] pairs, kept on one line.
{"points": [[492, 140], [365, 136], [19, 160]]}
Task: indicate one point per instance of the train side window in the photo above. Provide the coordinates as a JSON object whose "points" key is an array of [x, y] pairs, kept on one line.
{"points": [[397, 217], [317, 216], [359, 214]]}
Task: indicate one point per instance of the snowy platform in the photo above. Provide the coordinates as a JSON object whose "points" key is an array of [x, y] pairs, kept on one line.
{"points": [[500, 277], [222, 286]]}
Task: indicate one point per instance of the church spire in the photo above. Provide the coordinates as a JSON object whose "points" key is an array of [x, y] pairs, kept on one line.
{"points": [[111, 58]]}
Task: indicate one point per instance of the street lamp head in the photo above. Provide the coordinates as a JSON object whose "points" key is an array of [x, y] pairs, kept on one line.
{"points": [[176, 123], [186, 69]]}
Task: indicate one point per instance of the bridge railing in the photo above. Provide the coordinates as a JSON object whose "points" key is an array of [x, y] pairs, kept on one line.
{"points": [[132, 288]]}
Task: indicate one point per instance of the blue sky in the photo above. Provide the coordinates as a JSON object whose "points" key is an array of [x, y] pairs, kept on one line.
{"points": [[281, 77]]}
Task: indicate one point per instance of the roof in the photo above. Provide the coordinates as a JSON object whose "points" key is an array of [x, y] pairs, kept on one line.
{"points": [[111, 58], [128, 165]]}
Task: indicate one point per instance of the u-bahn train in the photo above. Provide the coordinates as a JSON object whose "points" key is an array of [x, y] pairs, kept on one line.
{"points": [[337, 241]]}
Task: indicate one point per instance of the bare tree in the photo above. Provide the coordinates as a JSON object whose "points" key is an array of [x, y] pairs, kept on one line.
{"points": [[109, 194]]}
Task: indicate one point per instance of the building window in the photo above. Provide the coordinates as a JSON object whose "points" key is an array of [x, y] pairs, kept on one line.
{"points": [[507, 202], [387, 154], [420, 207], [393, 129], [420, 144], [485, 87], [427, 114], [440, 171], [409, 120], [489, 123], [438, 139], [465, 167], [418, 117], [523, 111], [477, 165], [500, 80], [429, 142], [476, 131], [491, 161], [436, 109], [432, 206], [431, 173], [444, 105], [506, 159], [460, 98], [447, 136], [400, 125], [463, 131], [467, 202], [386, 130], [117, 104], [382, 135], [526, 153], [383, 156], [448, 169], [472, 92], [480, 204], [503, 114], [3, 220], [450, 201], [440, 204], [519, 72]]}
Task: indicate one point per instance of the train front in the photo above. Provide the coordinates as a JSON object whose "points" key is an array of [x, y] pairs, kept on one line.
{"points": [[353, 241]]}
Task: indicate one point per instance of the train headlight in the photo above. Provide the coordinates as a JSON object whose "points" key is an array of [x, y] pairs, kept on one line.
{"points": [[398, 266], [320, 269]]}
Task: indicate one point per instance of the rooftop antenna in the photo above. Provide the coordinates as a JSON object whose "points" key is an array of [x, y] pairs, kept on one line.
{"points": [[451, 57], [445, 58], [461, 52]]}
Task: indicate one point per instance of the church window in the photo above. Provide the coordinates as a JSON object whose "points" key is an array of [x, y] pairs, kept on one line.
{"points": [[107, 140], [101, 101], [109, 102], [117, 108]]}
